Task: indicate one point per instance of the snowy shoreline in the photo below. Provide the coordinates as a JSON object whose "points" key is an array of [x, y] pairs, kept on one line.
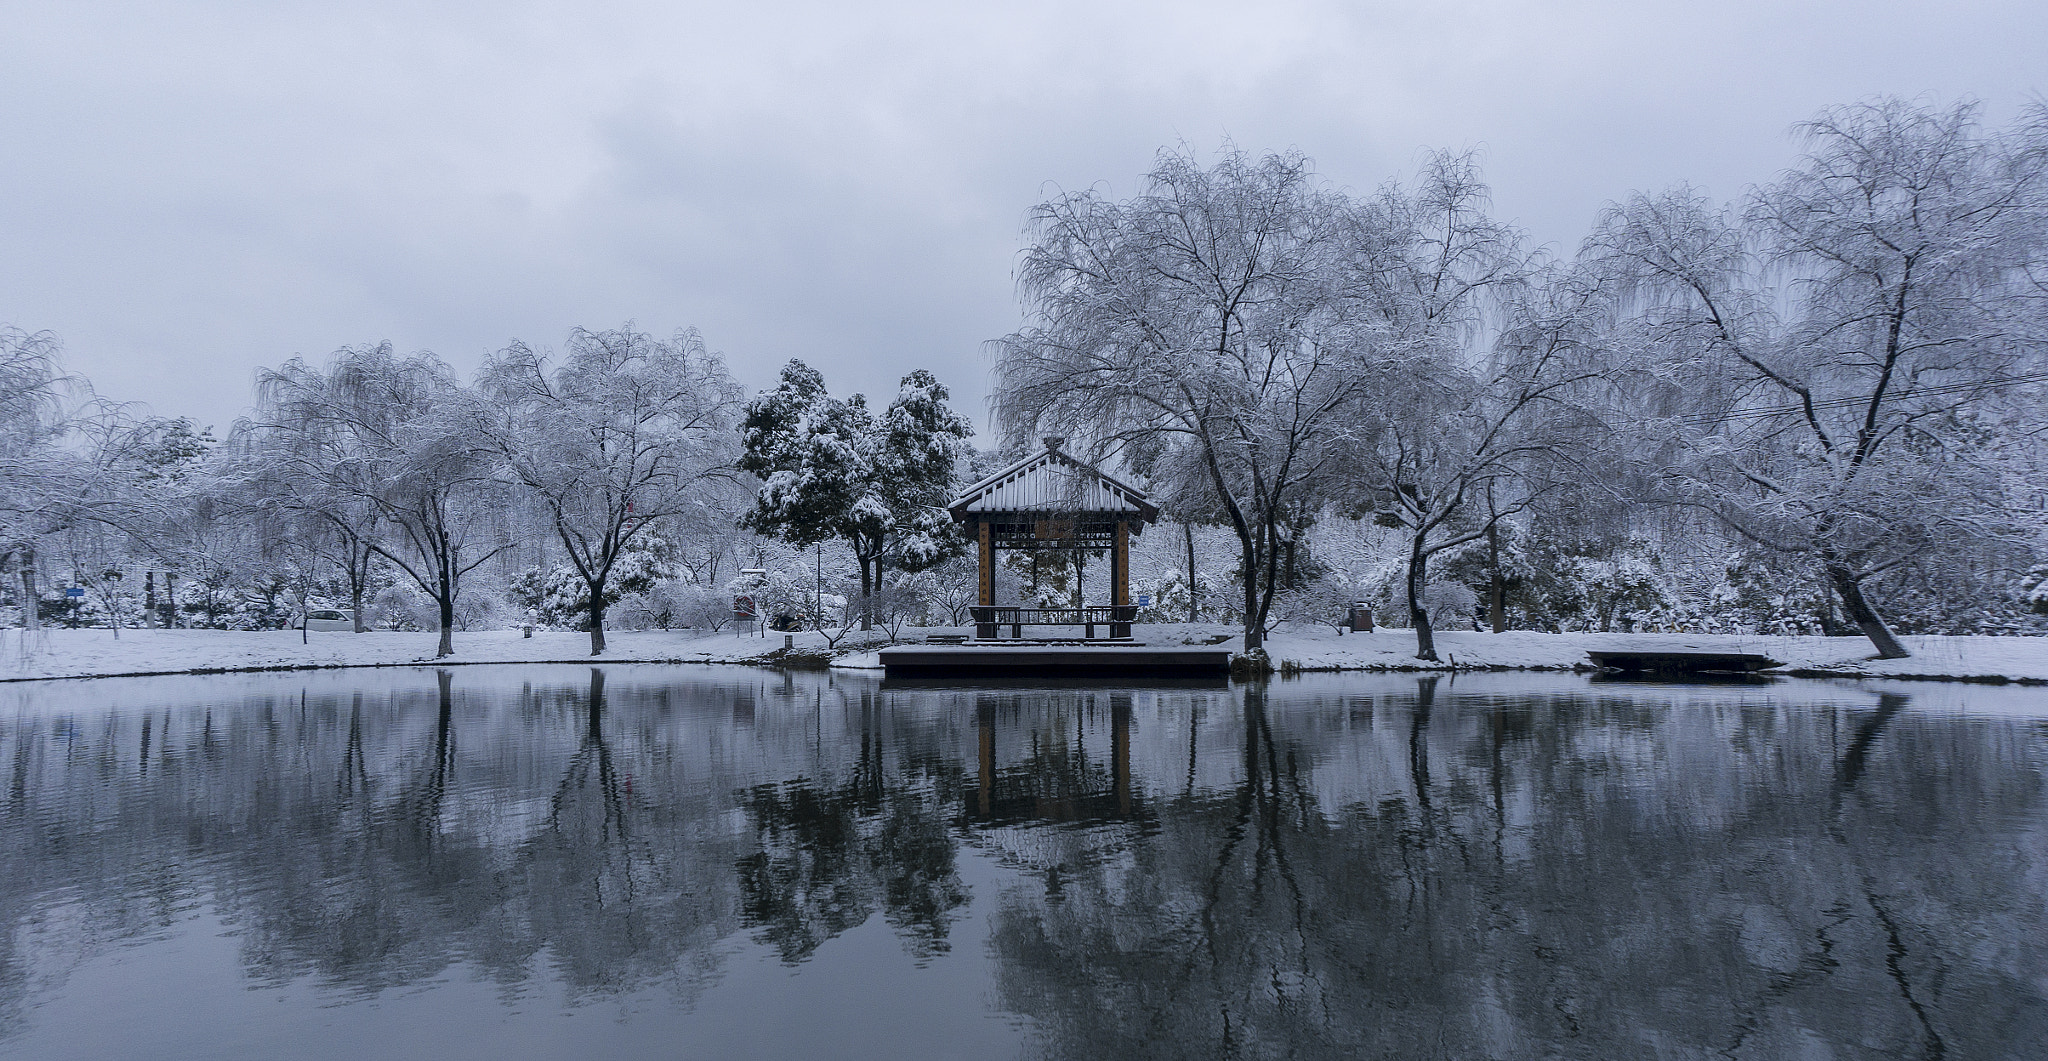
{"points": [[61, 653]]}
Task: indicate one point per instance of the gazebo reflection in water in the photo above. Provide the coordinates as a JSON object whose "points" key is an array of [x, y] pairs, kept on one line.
{"points": [[1037, 762]]}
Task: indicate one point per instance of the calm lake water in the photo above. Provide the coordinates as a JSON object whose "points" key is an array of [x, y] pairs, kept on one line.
{"points": [[657, 862]]}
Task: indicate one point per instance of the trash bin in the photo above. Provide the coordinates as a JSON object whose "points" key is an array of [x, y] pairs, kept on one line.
{"points": [[1361, 617]]}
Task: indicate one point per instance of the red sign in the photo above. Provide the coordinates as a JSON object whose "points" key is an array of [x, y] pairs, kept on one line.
{"points": [[743, 607]]}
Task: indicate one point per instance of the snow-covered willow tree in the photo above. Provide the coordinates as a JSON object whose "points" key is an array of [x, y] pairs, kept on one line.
{"points": [[832, 469], [71, 467], [35, 475], [1486, 408], [1825, 348], [1261, 348], [1472, 431], [1201, 332], [301, 477], [622, 433], [400, 438]]}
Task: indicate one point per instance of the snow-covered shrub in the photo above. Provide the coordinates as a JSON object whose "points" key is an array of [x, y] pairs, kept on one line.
{"points": [[1170, 598], [1328, 600], [1621, 590], [478, 608], [2033, 589], [792, 593], [401, 606], [101, 608], [1450, 603], [1937, 598], [696, 607], [947, 591], [556, 598], [894, 606], [559, 598], [1763, 593]]}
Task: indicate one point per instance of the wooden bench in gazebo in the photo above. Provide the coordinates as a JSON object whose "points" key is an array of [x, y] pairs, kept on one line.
{"points": [[1050, 500]]}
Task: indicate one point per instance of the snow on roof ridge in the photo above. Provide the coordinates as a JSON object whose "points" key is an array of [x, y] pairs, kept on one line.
{"points": [[1125, 496]]}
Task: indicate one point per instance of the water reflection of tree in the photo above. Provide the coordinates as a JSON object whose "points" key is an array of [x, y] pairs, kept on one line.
{"points": [[833, 852], [1426, 873], [1576, 877], [365, 844]]}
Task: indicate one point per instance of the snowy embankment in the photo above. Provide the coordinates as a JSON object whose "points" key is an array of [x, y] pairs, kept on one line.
{"points": [[2019, 659], [97, 653]]}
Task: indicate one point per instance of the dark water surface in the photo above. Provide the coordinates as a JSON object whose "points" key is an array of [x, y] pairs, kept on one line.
{"points": [[659, 862]]}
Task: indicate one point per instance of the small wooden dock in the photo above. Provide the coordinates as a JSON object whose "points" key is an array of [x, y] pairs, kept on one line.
{"points": [[1680, 664], [1012, 659]]}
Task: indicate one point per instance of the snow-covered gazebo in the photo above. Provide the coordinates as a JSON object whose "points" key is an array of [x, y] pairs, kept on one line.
{"points": [[1050, 500]]}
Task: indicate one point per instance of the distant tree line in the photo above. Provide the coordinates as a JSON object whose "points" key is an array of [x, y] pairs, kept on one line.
{"points": [[611, 472]]}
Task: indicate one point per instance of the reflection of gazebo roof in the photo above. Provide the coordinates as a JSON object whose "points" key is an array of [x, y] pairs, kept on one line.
{"points": [[1051, 482], [1036, 847]]}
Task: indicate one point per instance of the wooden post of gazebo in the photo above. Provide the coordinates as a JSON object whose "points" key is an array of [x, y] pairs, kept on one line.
{"points": [[1050, 500], [987, 556], [1120, 577]]}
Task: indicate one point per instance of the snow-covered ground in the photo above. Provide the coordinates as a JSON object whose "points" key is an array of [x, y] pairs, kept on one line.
{"points": [[1982, 658], [89, 653], [92, 653]]}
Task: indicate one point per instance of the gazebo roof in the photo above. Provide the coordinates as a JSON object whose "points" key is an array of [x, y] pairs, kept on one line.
{"points": [[1050, 481]]}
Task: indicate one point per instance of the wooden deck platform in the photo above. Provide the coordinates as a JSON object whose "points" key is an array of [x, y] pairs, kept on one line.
{"points": [[1667, 664], [1007, 659]]}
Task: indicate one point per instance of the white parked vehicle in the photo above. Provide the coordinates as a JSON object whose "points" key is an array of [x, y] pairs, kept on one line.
{"points": [[329, 619]]}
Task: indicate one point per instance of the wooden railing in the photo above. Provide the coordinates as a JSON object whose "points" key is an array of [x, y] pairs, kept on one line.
{"points": [[989, 619]]}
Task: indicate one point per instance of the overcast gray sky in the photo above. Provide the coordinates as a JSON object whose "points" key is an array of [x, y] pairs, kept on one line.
{"points": [[191, 190]]}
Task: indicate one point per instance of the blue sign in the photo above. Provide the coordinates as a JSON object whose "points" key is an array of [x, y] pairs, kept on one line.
{"points": [[74, 591], [1144, 600]]}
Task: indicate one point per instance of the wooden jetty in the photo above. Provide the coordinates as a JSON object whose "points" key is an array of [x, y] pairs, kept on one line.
{"points": [[1053, 659], [1637, 663]]}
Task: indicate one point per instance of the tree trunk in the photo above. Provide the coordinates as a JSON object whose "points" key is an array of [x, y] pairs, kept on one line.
{"points": [[1194, 585], [1862, 614], [1418, 617], [31, 605], [171, 600], [1272, 579], [358, 581], [1497, 595], [596, 617], [444, 731], [446, 599], [867, 580], [1254, 632]]}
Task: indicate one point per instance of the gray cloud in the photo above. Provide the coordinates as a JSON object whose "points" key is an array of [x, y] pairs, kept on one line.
{"points": [[189, 191]]}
